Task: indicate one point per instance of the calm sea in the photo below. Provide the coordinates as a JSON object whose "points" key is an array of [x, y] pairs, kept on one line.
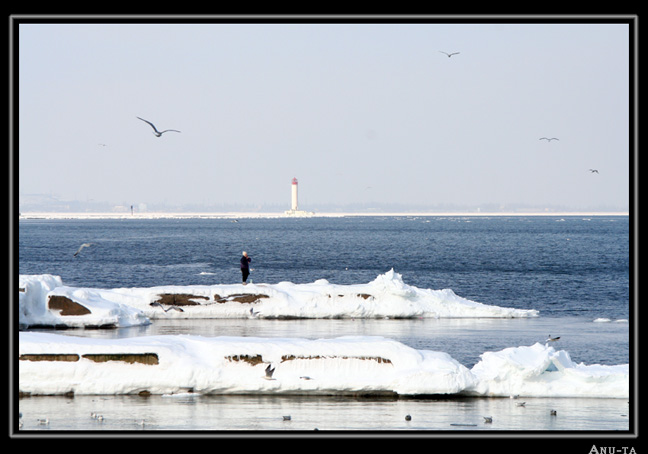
{"points": [[573, 270]]}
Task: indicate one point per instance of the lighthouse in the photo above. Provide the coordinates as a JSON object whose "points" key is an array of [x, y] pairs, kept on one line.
{"points": [[294, 208], [293, 205]]}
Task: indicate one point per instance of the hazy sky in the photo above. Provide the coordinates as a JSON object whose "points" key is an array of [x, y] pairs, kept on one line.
{"points": [[359, 113]]}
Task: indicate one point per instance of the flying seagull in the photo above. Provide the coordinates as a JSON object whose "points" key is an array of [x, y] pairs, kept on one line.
{"points": [[167, 309], [548, 139], [488, 419], [449, 54], [552, 339], [593, 170], [155, 131], [82, 246], [268, 372]]}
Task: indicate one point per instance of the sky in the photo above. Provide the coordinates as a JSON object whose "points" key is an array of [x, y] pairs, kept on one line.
{"points": [[361, 113]]}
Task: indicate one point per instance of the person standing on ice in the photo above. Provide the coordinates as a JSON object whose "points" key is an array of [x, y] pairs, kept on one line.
{"points": [[245, 266]]}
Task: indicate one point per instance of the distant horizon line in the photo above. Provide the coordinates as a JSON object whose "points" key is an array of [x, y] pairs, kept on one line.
{"points": [[236, 214]]}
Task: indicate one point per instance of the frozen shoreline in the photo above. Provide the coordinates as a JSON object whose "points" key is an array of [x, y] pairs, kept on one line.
{"points": [[281, 215]]}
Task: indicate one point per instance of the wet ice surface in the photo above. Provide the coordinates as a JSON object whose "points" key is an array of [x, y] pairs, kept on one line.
{"points": [[188, 412]]}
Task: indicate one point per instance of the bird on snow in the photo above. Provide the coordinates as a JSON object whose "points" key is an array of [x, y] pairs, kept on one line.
{"points": [[449, 54], [553, 413], [155, 131], [548, 139], [82, 246], [167, 309], [268, 372]]}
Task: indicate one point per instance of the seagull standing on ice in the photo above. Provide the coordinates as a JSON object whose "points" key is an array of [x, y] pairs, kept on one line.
{"points": [[82, 246], [167, 309], [155, 131], [449, 54]]}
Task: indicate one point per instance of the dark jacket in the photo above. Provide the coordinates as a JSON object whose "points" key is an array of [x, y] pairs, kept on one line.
{"points": [[245, 262]]}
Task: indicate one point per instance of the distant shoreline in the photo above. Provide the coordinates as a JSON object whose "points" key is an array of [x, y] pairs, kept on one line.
{"points": [[244, 215]]}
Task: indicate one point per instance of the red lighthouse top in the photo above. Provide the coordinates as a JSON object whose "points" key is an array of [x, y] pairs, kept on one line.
{"points": [[294, 181]]}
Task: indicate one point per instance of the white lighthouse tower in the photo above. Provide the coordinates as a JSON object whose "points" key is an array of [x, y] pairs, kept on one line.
{"points": [[293, 205], [294, 209]]}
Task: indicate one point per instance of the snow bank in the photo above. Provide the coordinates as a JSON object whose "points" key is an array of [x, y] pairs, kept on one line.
{"points": [[57, 364], [386, 296], [539, 371], [36, 308], [32, 298]]}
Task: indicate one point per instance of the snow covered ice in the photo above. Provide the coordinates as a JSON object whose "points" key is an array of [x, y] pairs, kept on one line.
{"points": [[386, 296], [56, 364]]}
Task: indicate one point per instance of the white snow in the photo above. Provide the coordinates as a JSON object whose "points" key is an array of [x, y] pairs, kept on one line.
{"points": [[33, 305], [236, 365], [344, 365], [386, 296], [541, 371]]}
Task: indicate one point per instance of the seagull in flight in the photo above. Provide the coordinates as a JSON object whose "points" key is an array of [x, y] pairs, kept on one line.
{"points": [[82, 246], [155, 131], [594, 171], [167, 309], [548, 139], [449, 54]]}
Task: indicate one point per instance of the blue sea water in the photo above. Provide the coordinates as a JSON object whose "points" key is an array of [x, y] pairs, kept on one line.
{"points": [[559, 266], [573, 270]]}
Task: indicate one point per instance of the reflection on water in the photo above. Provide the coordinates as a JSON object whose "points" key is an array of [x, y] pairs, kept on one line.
{"points": [[187, 412]]}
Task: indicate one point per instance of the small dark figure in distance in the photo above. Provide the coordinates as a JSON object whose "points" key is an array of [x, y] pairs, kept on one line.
{"points": [[245, 266]]}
